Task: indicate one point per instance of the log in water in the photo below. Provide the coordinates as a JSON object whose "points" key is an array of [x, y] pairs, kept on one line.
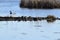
{"points": [[24, 18], [42, 4]]}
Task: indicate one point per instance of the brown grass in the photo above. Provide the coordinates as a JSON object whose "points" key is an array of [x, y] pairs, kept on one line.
{"points": [[39, 4]]}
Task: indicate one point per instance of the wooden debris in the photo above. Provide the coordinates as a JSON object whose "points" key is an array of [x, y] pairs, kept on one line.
{"points": [[49, 18]]}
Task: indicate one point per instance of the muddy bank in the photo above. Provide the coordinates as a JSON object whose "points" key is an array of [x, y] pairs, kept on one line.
{"points": [[42, 4]]}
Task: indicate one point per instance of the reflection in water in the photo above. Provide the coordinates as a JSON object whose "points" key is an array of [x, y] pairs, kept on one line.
{"points": [[46, 37], [41, 31], [58, 39], [29, 30], [24, 33], [37, 24], [57, 32], [50, 21], [4, 22]]}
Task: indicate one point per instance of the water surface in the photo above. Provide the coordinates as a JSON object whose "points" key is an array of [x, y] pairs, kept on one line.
{"points": [[40, 30]]}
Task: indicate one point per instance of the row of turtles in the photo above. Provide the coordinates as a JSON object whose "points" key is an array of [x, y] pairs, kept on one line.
{"points": [[49, 18]]}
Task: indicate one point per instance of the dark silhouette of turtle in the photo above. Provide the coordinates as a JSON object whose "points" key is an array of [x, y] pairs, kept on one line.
{"points": [[50, 18]]}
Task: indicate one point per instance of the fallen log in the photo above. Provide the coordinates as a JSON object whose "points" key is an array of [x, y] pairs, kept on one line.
{"points": [[49, 18]]}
